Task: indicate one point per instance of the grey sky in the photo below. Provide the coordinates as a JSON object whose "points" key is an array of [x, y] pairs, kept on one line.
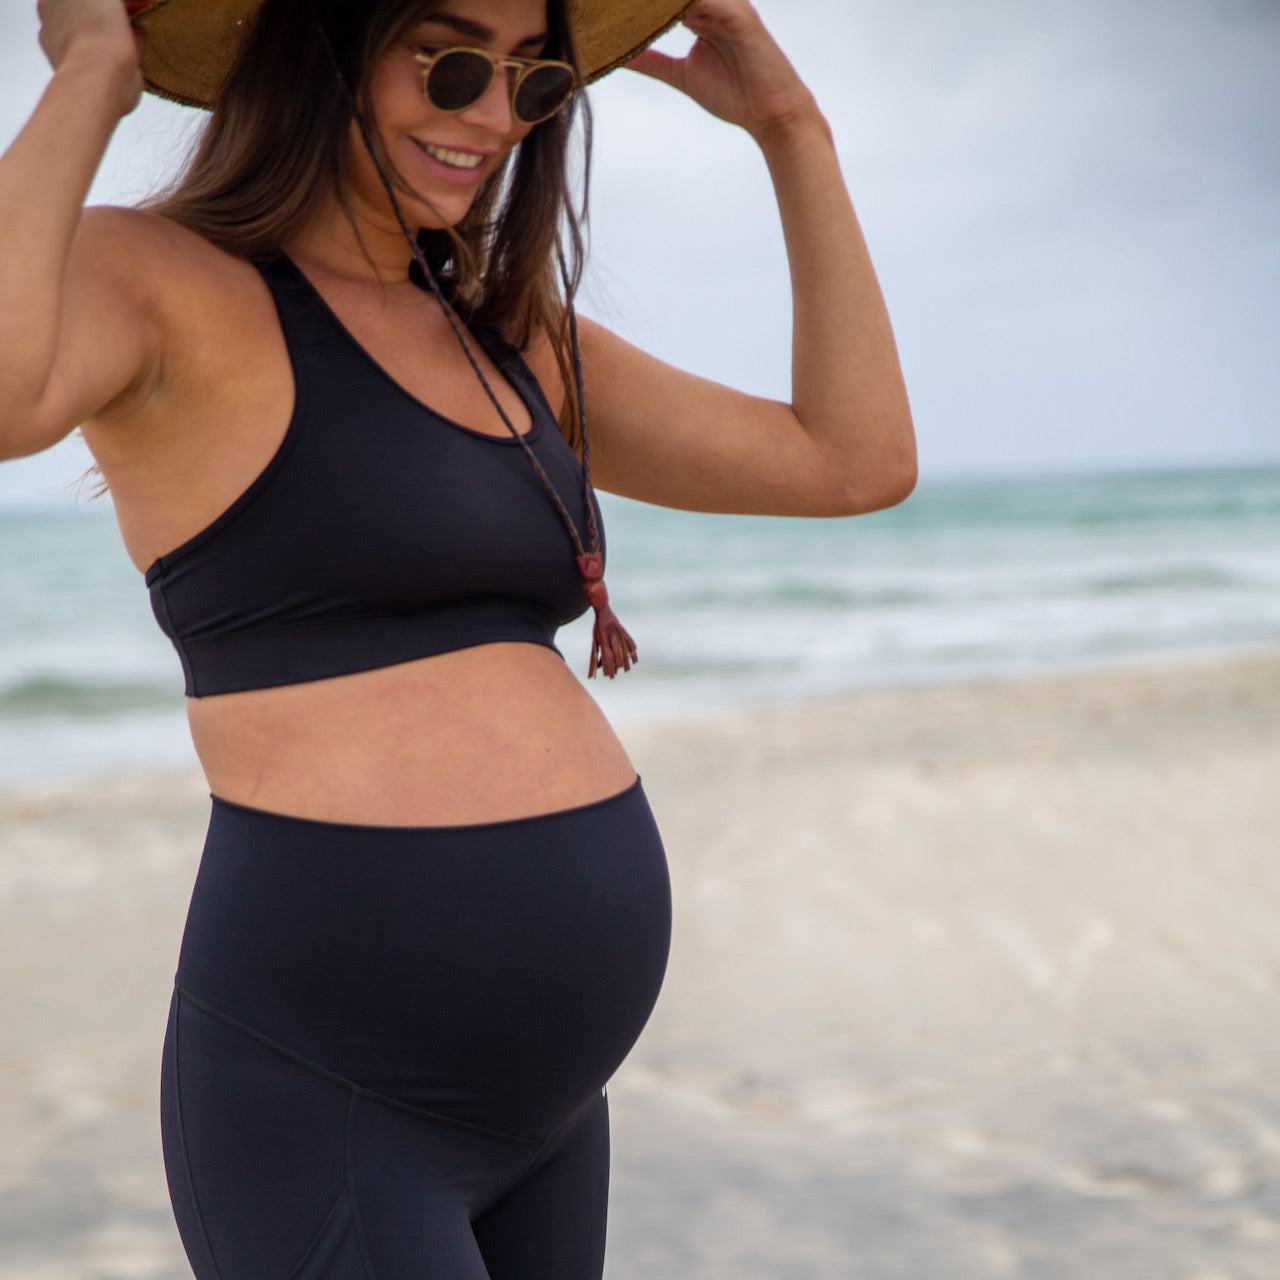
{"points": [[1075, 209]]}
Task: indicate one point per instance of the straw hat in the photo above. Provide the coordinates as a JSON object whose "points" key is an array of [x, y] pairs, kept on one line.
{"points": [[192, 44]]}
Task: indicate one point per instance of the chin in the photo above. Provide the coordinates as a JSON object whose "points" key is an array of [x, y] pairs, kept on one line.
{"points": [[435, 217], [428, 208]]}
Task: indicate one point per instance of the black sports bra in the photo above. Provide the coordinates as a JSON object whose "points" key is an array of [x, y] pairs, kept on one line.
{"points": [[379, 532]]}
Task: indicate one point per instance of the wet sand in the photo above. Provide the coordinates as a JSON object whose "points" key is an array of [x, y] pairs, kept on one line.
{"points": [[967, 982]]}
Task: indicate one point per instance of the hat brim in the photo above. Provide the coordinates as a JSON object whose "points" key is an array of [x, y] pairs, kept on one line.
{"points": [[193, 44]]}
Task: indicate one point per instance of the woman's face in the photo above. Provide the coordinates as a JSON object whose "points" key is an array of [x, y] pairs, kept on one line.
{"points": [[445, 157]]}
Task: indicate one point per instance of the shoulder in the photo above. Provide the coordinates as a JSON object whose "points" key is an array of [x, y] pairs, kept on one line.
{"points": [[160, 264], [187, 288], [136, 252], [540, 357], [603, 355], [144, 236]]}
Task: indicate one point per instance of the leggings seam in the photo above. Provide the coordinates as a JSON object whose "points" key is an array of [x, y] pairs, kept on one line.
{"points": [[366, 1263], [320, 1231], [358, 1090], [182, 1136], [541, 1150]]}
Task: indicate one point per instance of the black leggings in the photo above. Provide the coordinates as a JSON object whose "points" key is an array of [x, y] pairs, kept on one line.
{"points": [[387, 1046]]}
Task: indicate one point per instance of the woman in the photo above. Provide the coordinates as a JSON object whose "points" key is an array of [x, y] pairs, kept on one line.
{"points": [[334, 384]]}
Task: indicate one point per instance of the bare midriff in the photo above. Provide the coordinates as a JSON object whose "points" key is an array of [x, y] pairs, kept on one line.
{"points": [[485, 734]]}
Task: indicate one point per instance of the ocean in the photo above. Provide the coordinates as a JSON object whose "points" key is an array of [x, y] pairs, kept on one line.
{"points": [[967, 580]]}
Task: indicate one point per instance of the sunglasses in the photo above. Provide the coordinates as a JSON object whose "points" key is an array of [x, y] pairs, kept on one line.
{"points": [[454, 79]]}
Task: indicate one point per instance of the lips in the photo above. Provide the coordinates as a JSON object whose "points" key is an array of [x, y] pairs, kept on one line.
{"points": [[456, 159], [462, 168]]}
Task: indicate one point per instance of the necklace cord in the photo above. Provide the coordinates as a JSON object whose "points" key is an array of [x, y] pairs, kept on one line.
{"points": [[613, 649]]}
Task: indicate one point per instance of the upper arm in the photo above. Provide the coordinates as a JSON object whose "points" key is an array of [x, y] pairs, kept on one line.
{"points": [[664, 436], [108, 342]]}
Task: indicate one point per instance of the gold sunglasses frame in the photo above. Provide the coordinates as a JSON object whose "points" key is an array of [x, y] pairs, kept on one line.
{"points": [[525, 66]]}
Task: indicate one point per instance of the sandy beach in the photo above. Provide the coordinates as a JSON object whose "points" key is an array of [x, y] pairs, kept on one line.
{"points": [[974, 981]]}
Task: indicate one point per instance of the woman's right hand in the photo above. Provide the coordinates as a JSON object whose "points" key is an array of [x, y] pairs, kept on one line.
{"points": [[98, 29]]}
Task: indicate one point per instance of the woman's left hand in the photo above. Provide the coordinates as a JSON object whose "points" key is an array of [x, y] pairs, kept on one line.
{"points": [[735, 70]]}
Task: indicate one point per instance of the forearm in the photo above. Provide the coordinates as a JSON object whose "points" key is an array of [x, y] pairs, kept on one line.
{"points": [[847, 386], [44, 179]]}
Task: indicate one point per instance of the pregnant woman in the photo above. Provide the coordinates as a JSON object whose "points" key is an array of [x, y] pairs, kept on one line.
{"points": [[350, 423]]}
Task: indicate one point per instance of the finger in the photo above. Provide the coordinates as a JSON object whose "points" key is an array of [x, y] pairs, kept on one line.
{"points": [[659, 66], [715, 18]]}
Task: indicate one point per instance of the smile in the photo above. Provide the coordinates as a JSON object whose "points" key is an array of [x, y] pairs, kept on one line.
{"points": [[455, 159]]}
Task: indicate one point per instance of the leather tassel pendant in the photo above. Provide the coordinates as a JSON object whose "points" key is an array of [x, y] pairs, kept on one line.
{"points": [[612, 649]]}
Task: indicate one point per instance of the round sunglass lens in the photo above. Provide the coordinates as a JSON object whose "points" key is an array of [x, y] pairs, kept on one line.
{"points": [[542, 93], [458, 79]]}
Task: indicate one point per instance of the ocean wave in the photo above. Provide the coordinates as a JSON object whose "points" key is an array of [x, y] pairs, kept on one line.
{"points": [[52, 695], [1191, 577]]}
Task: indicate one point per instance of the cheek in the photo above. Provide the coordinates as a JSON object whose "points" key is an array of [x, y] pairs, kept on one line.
{"points": [[394, 95]]}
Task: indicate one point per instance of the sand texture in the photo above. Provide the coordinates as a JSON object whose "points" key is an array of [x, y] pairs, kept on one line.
{"points": [[967, 982]]}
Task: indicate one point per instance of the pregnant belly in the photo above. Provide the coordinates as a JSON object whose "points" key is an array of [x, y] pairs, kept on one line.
{"points": [[493, 975], [486, 734]]}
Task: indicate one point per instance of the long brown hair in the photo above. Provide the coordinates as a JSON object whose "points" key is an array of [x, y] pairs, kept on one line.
{"points": [[277, 145]]}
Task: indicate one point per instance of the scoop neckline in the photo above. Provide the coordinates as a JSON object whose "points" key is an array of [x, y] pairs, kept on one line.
{"points": [[508, 438]]}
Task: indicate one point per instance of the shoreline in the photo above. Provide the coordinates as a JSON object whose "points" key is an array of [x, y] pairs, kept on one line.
{"points": [[982, 972]]}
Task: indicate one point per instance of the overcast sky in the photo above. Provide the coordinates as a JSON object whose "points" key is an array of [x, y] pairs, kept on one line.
{"points": [[1074, 207]]}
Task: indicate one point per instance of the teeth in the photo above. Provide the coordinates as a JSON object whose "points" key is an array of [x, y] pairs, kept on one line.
{"points": [[458, 159]]}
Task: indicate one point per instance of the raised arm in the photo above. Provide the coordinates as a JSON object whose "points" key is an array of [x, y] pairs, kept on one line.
{"points": [[74, 331], [845, 444]]}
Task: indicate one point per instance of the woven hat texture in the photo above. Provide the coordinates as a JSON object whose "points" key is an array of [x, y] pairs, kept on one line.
{"points": [[192, 44]]}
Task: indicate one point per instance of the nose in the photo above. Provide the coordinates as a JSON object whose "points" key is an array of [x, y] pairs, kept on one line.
{"points": [[492, 109]]}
